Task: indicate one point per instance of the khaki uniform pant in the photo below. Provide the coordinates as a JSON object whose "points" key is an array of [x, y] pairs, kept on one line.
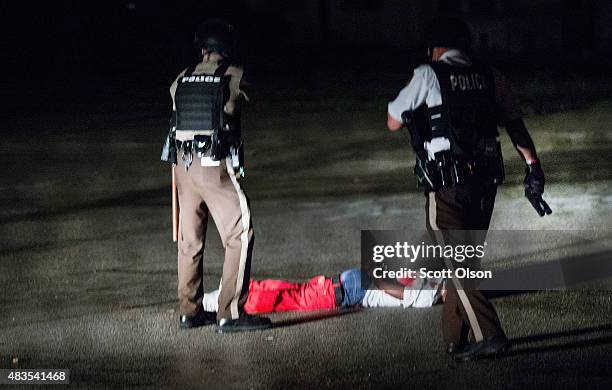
{"points": [[463, 207], [215, 191]]}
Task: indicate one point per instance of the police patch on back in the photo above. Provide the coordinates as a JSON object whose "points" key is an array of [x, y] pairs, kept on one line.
{"points": [[201, 79], [467, 114], [200, 98], [468, 82]]}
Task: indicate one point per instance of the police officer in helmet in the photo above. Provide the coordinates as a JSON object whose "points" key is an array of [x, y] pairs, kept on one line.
{"points": [[204, 144], [452, 107]]}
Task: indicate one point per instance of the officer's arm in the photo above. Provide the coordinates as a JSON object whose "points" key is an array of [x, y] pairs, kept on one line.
{"points": [[393, 124], [240, 96], [245, 87], [173, 87], [521, 140], [511, 118], [413, 95], [168, 153]]}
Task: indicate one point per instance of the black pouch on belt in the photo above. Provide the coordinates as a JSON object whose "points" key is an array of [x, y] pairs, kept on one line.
{"points": [[426, 174], [202, 145], [492, 163], [461, 171], [444, 163]]}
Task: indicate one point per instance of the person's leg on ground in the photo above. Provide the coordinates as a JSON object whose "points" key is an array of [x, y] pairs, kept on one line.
{"points": [[353, 291]]}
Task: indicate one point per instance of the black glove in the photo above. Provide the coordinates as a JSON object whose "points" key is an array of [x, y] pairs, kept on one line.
{"points": [[534, 188]]}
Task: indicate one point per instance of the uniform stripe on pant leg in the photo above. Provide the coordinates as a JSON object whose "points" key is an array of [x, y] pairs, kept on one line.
{"points": [[465, 302], [469, 310], [432, 211], [244, 238]]}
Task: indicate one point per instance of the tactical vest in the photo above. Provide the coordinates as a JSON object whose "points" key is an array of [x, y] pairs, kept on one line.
{"points": [[468, 114], [200, 99]]}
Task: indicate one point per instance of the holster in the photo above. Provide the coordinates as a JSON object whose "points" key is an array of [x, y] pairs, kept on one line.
{"points": [[222, 140], [448, 170], [426, 174], [417, 123], [168, 153]]}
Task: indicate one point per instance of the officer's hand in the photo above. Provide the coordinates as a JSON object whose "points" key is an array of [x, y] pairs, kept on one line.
{"points": [[534, 188]]}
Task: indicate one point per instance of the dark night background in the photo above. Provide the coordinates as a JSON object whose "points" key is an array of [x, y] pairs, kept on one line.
{"points": [[72, 52]]}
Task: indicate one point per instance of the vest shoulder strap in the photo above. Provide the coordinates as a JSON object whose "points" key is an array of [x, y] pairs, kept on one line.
{"points": [[222, 68], [439, 66], [220, 71], [189, 70]]}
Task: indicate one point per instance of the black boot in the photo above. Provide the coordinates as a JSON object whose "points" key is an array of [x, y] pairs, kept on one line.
{"points": [[456, 347], [202, 318], [242, 324], [484, 348]]}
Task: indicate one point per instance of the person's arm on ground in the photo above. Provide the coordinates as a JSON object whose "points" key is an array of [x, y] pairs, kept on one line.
{"points": [[414, 296], [395, 292]]}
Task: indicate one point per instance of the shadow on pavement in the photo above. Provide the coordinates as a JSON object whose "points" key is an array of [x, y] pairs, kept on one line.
{"points": [[604, 338], [492, 294], [149, 197], [320, 315], [67, 244]]}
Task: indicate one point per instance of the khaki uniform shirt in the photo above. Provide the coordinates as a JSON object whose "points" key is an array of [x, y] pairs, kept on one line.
{"points": [[230, 107]]}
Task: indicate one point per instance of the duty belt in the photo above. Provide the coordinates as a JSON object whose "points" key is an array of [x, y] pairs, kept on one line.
{"points": [[200, 146], [448, 170]]}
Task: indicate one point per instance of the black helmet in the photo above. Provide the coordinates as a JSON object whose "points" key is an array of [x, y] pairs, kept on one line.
{"points": [[449, 32], [217, 36]]}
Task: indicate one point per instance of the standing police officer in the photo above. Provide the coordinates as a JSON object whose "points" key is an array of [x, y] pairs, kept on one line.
{"points": [[204, 145], [452, 107]]}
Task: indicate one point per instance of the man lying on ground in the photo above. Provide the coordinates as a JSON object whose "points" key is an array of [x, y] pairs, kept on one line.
{"points": [[344, 290]]}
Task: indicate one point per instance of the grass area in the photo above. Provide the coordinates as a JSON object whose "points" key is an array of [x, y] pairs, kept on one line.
{"points": [[334, 153], [545, 93], [300, 143]]}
